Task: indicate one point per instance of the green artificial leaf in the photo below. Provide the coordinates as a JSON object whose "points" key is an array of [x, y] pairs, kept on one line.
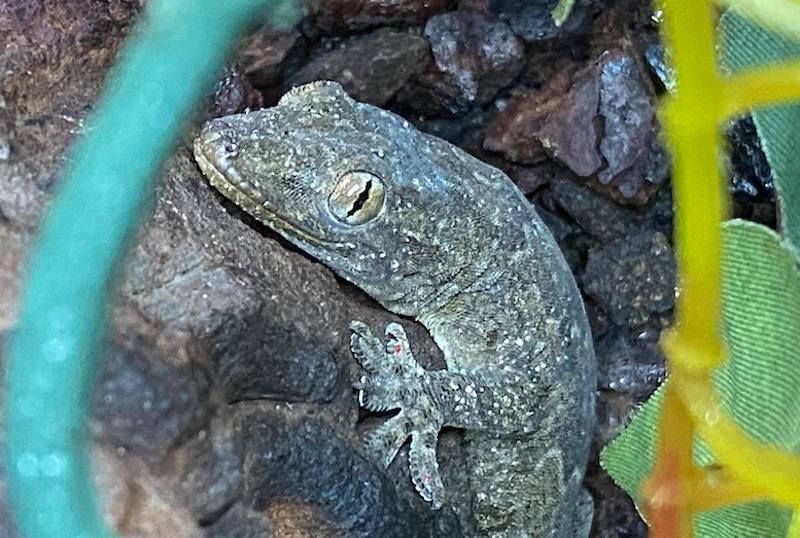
{"points": [[746, 45], [562, 10], [758, 385]]}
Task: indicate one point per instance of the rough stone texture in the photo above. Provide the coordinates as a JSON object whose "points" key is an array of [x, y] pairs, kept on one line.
{"points": [[137, 503], [632, 278], [636, 162], [568, 134], [238, 522], [146, 403], [300, 368], [480, 55], [630, 364], [337, 16], [268, 55], [599, 123], [514, 131], [593, 212], [209, 468], [532, 21], [751, 181], [233, 94], [288, 462], [372, 67], [615, 515]]}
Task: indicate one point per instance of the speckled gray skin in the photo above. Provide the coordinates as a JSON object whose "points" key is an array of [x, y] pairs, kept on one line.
{"points": [[433, 233]]}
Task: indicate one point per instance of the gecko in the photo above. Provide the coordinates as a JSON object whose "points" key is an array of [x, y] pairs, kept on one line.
{"points": [[434, 234]]}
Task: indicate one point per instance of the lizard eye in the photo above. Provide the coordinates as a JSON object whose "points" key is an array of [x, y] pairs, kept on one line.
{"points": [[357, 197]]}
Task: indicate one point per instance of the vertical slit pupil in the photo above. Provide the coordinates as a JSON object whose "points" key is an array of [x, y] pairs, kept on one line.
{"points": [[361, 200]]}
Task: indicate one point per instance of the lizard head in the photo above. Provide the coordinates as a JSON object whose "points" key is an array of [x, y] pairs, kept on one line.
{"points": [[396, 212]]}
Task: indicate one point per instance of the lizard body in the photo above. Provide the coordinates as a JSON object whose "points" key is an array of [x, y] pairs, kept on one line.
{"points": [[433, 233]]}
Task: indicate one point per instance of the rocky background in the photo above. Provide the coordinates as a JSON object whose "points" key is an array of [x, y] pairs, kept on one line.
{"points": [[224, 408]]}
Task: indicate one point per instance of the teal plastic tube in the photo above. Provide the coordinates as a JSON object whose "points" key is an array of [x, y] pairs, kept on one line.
{"points": [[54, 350]]}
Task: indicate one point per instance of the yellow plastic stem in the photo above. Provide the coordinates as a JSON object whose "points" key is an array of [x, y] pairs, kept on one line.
{"points": [[715, 489], [664, 492], [749, 470], [761, 86], [766, 469], [693, 135]]}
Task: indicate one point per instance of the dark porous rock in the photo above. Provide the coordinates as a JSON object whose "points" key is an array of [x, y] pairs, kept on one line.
{"points": [[234, 94], [530, 179], [751, 180], [596, 214], [146, 402], [372, 67], [340, 16], [565, 234], [208, 466], [268, 54], [569, 134], [630, 363], [751, 174], [255, 359], [137, 501], [532, 20], [654, 54], [465, 131], [615, 515], [637, 163], [479, 54], [304, 476], [514, 131], [632, 278], [551, 122], [239, 522]]}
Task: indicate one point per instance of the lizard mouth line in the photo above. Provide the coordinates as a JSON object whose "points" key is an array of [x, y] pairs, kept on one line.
{"points": [[219, 180]]}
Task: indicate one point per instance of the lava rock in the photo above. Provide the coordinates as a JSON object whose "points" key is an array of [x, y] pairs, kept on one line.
{"points": [[255, 359], [238, 522], [478, 53], [631, 364], [297, 470], [615, 515], [532, 20], [751, 175], [596, 214], [475, 56], [569, 135], [632, 278], [209, 465], [555, 122], [655, 56], [268, 55], [339, 16], [636, 162], [147, 403], [138, 503], [530, 179], [372, 67], [514, 131], [234, 94]]}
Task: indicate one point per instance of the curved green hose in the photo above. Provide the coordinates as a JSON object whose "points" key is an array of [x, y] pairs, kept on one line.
{"points": [[53, 354]]}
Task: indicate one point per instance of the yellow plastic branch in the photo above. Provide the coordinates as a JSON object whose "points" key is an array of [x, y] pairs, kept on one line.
{"points": [[760, 86], [747, 469], [763, 469]]}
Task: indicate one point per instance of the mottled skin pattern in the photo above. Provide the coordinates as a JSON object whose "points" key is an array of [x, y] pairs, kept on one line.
{"points": [[433, 233]]}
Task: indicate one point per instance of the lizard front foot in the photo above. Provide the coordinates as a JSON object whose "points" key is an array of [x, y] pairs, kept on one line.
{"points": [[394, 380]]}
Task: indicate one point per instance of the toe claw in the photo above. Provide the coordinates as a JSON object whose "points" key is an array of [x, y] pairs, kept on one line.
{"points": [[425, 468]]}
